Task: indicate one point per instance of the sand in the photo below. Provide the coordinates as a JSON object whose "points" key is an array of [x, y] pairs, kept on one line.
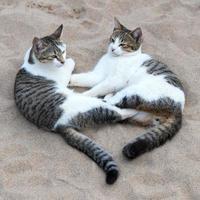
{"points": [[35, 164]]}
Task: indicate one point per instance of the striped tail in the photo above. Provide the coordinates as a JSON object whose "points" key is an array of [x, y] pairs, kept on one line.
{"points": [[92, 150], [154, 137]]}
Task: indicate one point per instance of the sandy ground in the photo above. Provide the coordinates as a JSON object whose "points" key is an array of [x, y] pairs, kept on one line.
{"points": [[39, 165]]}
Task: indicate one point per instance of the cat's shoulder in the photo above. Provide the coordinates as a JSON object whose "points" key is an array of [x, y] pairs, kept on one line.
{"points": [[144, 57]]}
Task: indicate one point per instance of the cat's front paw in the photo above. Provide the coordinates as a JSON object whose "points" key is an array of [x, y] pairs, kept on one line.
{"points": [[70, 63], [112, 101], [73, 80], [88, 93], [108, 96]]}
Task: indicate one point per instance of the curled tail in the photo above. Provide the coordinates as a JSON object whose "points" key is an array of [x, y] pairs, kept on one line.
{"points": [[92, 150], [154, 137]]}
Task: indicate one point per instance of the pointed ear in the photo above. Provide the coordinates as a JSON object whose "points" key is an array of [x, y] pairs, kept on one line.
{"points": [[118, 25], [56, 35], [137, 34], [38, 45]]}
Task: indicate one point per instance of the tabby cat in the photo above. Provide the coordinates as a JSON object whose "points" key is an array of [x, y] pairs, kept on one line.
{"points": [[42, 96], [132, 79]]}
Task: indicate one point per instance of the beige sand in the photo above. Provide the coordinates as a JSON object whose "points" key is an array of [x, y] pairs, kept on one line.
{"points": [[38, 165]]}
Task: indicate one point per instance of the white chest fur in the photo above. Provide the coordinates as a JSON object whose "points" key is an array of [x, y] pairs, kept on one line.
{"points": [[52, 71], [122, 67]]}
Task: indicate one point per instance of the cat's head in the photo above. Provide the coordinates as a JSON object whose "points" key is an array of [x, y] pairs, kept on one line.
{"points": [[50, 48], [124, 41]]}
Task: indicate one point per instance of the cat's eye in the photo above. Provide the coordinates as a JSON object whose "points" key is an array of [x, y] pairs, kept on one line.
{"points": [[52, 57], [123, 45], [63, 52], [112, 40]]}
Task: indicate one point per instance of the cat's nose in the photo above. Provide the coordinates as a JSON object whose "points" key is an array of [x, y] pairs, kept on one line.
{"points": [[113, 49], [61, 60]]}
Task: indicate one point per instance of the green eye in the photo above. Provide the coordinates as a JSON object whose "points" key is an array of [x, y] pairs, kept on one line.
{"points": [[112, 40]]}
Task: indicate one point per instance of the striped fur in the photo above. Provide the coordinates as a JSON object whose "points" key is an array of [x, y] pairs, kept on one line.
{"points": [[93, 150], [94, 117], [159, 134], [157, 68], [154, 137], [37, 100]]}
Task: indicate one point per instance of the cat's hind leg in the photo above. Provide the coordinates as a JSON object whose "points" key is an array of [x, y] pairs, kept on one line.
{"points": [[143, 118], [69, 63]]}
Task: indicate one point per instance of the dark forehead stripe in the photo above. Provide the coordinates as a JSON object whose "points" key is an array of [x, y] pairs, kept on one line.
{"points": [[54, 43], [122, 34]]}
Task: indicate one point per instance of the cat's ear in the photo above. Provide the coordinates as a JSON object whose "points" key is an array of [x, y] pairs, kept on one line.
{"points": [[38, 45], [137, 34], [56, 35], [118, 25]]}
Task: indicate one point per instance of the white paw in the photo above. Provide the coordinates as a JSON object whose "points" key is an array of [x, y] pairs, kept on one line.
{"points": [[114, 100], [72, 81], [87, 93], [70, 63], [108, 96], [111, 101]]}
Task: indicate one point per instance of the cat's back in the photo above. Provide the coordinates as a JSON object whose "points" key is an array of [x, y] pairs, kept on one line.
{"points": [[37, 99], [157, 68]]}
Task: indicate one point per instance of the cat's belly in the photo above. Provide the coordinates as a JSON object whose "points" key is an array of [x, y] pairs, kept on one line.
{"points": [[75, 104], [150, 89]]}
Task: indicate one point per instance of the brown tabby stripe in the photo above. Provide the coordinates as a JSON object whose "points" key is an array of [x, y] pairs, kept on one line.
{"points": [[156, 68], [165, 106], [94, 117], [122, 34], [36, 98], [158, 135]]}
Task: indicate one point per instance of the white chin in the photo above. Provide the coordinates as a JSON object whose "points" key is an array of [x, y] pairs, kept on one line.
{"points": [[57, 63], [115, 54], [60, 65]]}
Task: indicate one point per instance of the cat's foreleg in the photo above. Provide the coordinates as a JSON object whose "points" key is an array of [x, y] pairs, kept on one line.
{"points": [[143, 118], [106, 87], [118, 97], [69, 63], [108, 96], [88, 79]]}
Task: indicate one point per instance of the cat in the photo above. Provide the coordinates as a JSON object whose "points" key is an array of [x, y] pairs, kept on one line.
{"points": [[129, 78], [42, 96]]}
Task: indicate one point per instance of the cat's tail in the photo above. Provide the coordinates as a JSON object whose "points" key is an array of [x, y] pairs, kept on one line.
{"points": [[154, 137], [92, 150]]}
